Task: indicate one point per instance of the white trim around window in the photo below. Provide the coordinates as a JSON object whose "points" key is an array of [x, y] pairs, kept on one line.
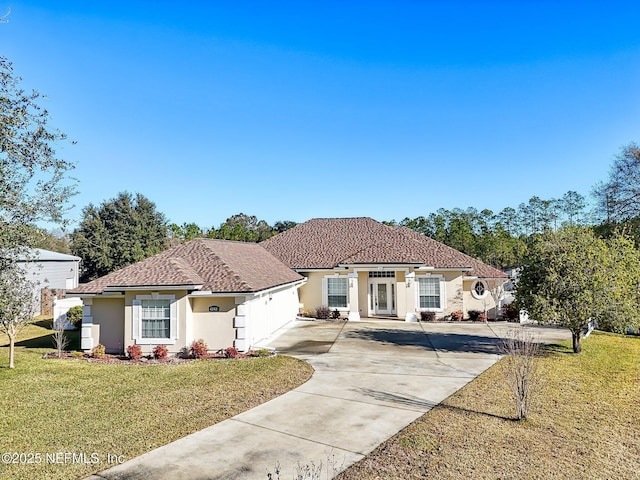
{"points": [[334, 288], [430, 293], [479, 289], [137, 319]]}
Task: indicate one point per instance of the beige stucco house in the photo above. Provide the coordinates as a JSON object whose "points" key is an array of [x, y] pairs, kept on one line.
{"points": [[234, 293], [364, 268]]}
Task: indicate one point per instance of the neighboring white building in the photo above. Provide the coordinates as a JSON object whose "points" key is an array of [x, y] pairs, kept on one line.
{"points": [[52, 270]]}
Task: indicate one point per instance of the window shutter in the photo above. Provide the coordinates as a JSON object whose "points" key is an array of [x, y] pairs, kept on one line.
{"points": [[325, 291], [173, 323], [136, 314]]}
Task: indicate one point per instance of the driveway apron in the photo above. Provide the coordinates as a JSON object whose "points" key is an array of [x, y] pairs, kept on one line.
{"points": [[372, 379]]}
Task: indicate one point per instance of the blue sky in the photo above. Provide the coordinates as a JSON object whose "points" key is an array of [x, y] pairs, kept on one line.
{"points": [[294, 110]]}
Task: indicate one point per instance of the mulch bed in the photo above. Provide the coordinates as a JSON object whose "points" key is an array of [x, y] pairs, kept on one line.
{"points": [[145, 360]]}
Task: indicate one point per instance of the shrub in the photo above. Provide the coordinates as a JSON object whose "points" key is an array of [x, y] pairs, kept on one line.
{"points": [[263, 352], [134, 352], [456, 316], [98, 351], [306, 313], [74, 316], [520, 366], [427, 316], [335, 314], [511, 312], [474, 314], [322, 312], [60, 340], [231, 352], [199, 349], [160, 352], [76, 354], [482, 317]]}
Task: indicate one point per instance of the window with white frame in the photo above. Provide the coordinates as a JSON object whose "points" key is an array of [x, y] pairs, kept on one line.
{"points": [[155, 319], [337, 292], [430, 293], [479, 290]]}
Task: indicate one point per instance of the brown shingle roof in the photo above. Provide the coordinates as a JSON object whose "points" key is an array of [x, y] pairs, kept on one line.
{"points": [[329, 242], [218, 265]]}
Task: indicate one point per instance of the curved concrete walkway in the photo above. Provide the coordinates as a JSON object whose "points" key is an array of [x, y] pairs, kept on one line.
{"points": [[372, 378]]}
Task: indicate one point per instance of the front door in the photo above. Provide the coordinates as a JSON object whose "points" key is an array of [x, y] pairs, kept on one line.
{"points": [[382, 297]]}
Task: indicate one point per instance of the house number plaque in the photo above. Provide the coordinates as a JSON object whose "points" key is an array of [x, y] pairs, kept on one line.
{"points": [[214, 308]]}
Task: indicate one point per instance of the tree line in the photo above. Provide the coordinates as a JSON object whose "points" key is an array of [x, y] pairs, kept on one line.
{"points": [[500, 239], [128, 228]]}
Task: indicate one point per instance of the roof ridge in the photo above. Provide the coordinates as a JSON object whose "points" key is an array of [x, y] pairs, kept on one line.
{"points": [[185, 268], [366, 247], [225, 265]]}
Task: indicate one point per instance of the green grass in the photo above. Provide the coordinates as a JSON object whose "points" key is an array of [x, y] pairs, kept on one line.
{"points": [[585, 424], [81, 407]]}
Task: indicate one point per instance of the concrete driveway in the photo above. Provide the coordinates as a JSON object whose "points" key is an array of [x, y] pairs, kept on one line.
{"points": [[372, 378]]}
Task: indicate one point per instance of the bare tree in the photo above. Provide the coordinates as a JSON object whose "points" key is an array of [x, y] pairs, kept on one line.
{"points": [[17, 305], [520, 366], [496, 287], [619, 197], [60, 340]]}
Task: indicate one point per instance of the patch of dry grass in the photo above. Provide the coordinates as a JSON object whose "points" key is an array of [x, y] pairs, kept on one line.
{"points": [[585, 424], [80, 407]]}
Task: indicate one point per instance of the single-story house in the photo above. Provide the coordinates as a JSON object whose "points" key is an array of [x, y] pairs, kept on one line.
{"points": [[51, 270], [234, 293]]}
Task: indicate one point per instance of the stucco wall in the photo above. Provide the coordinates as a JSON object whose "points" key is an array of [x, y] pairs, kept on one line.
{"points": [[108, 316], [401, 294], [215, 328], [454, 291], [457, 292], [363, 294], [311, 292], [472, 303]]}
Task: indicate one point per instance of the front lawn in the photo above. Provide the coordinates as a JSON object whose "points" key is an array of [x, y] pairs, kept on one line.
{"points": [[585, 425], [93, 410]]}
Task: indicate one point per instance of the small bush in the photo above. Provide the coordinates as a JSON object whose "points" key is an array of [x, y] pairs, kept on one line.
{"points": [[98, 351], [263, 352], [335, 314], [76, 354], [160, 352], [322, 312], [306, 313], [482, 317], [199, 349], [456, 316], [74, 316], [231, 352], [427, 316], [474, 314], [134, 352], [511, 313], [520, 366]]}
